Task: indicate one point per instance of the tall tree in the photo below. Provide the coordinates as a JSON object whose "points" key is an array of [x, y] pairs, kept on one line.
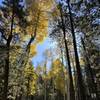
{"points": [[79, 75], [88, 25], [12, 13], [60, 29]]}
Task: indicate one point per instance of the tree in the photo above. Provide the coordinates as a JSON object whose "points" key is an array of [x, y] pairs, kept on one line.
{"points": [[30, 80], [57, 75], [88, 26], [79, 75], [60, 28], [38, 18], [12, 13]]}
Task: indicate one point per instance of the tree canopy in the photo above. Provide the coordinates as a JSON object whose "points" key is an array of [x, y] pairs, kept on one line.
{"points": [[66, 33]]}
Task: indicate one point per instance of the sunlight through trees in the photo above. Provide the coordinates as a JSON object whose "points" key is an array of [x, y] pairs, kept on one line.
{"points": [[69, 68]]}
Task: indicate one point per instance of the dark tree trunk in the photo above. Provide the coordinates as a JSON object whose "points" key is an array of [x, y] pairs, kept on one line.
{"points": [[6, 74], [71, 86], [64, 96], [99, 1], [35, 33], [6, 69], [89, 72], [45, 83], [78, 69]]}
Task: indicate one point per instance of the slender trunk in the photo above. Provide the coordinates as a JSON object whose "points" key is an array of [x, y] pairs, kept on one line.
{"points": [[6, 74], [71, 86], [35, 33], [63, 73], [99, 1], [45, 84], [74, 72], [45, 91], [78, 69], [52, 81], [91, 80], [6, 69]]}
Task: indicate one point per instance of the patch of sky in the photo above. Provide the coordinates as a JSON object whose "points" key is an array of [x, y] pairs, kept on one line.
{"points": [[96, 21], [1, 2], [39, 57]]}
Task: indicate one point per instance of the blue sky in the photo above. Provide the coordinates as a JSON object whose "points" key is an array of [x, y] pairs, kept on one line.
{"points": [[39, 57], [0, 1]]}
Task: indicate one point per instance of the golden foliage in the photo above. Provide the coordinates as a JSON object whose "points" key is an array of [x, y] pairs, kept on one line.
{"points": [[31, 75], [38, 17], [33, 50], [58, 73]]}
